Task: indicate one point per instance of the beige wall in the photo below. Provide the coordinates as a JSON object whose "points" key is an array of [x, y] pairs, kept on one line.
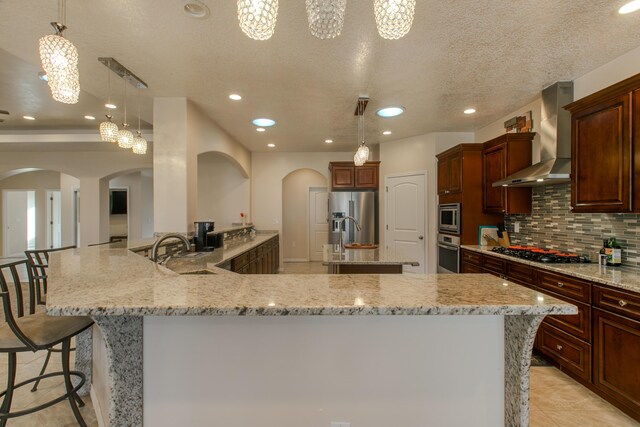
{"points": [[413, 155], [223, 190], [295, 212], [139, 207]]}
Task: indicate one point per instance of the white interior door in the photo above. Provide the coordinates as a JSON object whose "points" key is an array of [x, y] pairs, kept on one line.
{"points": [[18, 222], [405, 207], [54, 222], [318, 222]]}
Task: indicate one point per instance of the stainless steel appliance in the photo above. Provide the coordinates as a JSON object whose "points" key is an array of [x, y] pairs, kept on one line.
{"points": [[201, 237], [449, 216], [448, 253], [363, 206]]}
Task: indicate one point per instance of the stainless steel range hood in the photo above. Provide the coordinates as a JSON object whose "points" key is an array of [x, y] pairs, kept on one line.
{"points": [[555, 142]]}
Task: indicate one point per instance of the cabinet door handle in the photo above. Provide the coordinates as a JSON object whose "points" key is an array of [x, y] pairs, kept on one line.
{"points": [[622, 303], [559, 347], [560, 284]]}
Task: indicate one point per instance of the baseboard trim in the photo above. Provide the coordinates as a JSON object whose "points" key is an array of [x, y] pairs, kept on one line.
{"points": [[96, 407], [296, 260]]}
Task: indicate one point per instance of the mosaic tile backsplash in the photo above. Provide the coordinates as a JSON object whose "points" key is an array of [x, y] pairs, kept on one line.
{"points": [[552, 225]]}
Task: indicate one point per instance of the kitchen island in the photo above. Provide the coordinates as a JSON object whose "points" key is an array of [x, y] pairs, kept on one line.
{"points": [[236, 350], [366, 259]]}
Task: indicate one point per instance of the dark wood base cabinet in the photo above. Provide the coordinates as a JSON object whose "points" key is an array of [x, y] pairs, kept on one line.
{"points": [[263, 259], [600, 346]]}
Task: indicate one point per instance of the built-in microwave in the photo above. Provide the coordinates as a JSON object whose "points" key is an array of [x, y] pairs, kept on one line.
{"points": [[449, 218]]}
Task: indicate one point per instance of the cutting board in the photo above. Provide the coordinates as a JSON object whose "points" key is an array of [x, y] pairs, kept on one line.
{"points": [[504, 240]]}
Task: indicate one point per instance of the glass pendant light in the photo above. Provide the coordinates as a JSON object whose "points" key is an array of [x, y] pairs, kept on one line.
{"points": [[257, 18], [394, 17], [326, 17], [125, 137], [362, 154], [139, 143], [108, 129], [59, 59]]}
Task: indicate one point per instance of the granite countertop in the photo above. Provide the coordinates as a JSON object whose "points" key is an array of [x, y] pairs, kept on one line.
{"points": [[618, 277], [101, 281], [331, 254]]}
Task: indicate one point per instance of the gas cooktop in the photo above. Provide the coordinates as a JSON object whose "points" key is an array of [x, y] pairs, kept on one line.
{"points": [[532, 253]]}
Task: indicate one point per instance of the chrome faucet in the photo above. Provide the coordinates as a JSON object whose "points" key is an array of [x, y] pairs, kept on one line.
{"points": [[156, 245], [341, 222]]}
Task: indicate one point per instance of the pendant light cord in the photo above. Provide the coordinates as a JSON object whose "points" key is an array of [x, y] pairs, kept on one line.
{"points": [[108, 86], [62, 11], [124, 78], [139, 102]]}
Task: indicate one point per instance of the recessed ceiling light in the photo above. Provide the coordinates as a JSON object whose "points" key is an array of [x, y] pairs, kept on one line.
{"points": [[540, 180], [196, 9], [28, 117], [386, 132], [264, 122], [110, 106], [329, 141], [235, 97], [89, 117], [470, 111], [271, 145], [632, 6], [260, 129], [390, 111], [43, 76]]}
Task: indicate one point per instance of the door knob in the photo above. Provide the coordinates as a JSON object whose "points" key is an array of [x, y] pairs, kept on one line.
{"points": [[421, 237]]}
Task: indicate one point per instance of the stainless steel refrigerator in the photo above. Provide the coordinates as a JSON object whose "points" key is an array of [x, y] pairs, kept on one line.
{"points": [[363, 206]]}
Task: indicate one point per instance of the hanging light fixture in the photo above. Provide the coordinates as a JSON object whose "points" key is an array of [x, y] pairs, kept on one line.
{"points": [[362, 154], [125, 137], [394, 17], [139, 143], [326, 17], [258, 18], [59, 59], [108, 129]]}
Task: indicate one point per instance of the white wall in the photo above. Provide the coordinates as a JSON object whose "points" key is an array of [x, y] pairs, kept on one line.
{"points": [[146, 199], [418, 154], [223, 190], [40, 182], [295, 212], [68, 185]]}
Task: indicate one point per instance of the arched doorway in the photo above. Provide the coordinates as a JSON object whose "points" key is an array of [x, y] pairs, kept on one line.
{"points": [[304, 227]]}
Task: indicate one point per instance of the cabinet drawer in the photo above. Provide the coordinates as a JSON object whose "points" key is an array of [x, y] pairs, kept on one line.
{"points": [[253, 254], [620, 302], [520, 273], [493, 265], [471, 257], [240, 261], [564, 285], [571, 353], [578, 325], [471, 268]]}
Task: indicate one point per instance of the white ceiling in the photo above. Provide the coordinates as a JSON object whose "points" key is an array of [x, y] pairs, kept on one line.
{"points": [[493, 55]]}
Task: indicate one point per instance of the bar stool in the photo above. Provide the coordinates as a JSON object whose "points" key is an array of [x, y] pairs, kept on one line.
{"points": [[31, 331], [38, 263]]}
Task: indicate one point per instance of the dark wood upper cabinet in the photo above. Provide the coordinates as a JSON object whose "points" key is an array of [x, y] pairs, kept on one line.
{"points": [[347, 176], [501, 157], [450, 173], [605, 156]]}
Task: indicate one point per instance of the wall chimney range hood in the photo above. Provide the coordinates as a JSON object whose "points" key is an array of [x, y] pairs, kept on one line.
{"points": [[555, 142]]}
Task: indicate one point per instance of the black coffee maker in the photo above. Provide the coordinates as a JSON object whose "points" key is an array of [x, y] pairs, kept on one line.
{"points": [[200, 238]]}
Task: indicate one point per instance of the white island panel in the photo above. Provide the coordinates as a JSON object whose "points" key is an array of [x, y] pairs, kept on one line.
{"points": [[292, 371]]}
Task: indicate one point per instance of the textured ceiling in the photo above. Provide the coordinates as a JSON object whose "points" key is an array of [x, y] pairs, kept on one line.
{"points": [[493, 55]]}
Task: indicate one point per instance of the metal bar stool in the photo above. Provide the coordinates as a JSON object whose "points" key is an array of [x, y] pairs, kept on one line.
{"points": [[33, 331], [38, 263]]}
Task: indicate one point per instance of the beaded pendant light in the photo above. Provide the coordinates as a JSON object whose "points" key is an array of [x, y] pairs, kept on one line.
{"points": [[257, 18], [362, 154], [59, 59], [108, 129], [394, 17], [326, 17], [125, 137], [139, 143]]}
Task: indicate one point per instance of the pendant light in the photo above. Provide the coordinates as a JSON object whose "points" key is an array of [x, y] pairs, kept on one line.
{"points": [[125, 137], [108, 129], [394, 17], [326, 17], [362, 154], [139, 143], [257, 18], [59, 59]]}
